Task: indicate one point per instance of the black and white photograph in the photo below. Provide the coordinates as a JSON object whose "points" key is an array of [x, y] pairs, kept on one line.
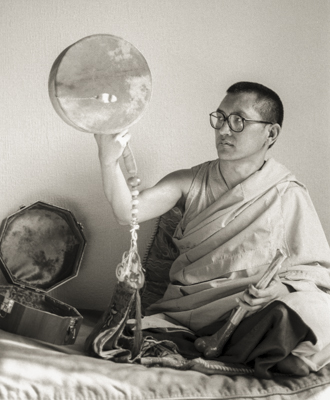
{"points": [[165, 202]]}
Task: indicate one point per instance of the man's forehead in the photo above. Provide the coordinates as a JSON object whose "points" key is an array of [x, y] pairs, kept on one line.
{"points": [[239, 102]]}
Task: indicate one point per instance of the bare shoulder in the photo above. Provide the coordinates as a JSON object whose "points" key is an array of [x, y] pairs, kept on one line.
{"points": [[179, 180]]}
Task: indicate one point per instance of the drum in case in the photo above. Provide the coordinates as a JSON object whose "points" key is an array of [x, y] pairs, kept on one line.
{"points": [[41, 248]]}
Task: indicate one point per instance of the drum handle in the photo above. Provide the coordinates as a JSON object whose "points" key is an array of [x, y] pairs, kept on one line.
{"points": [[129, 160]]}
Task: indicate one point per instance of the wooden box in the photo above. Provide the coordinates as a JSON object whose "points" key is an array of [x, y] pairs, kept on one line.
{"points": [[41, 247]]}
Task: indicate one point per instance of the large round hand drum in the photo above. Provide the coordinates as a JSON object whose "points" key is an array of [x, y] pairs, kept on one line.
{"points": [[100, 84]]}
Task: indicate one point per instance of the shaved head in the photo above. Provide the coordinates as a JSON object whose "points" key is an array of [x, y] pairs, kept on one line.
{"points": [[268, 104]]}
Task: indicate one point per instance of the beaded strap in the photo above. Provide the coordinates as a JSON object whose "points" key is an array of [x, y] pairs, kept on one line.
{"points": [[130, 269]]}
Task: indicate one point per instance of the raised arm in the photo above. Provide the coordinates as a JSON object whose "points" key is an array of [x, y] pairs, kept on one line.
{"points": [[154, 201]]}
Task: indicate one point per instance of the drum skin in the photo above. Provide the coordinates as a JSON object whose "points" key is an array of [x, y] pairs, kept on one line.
{"points": [[100, 84], [41, 246]]}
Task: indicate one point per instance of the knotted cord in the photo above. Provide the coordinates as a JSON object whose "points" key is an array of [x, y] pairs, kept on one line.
{"points": [[130, 269]]}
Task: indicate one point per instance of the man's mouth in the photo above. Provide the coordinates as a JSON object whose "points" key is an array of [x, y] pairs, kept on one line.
{"points": [[225, 143]]}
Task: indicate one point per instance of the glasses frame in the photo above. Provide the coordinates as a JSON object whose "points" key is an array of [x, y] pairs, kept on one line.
{"points": [[226, 119]]}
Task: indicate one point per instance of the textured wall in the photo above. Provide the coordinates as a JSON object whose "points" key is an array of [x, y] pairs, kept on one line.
{"points": [[195, 50]]}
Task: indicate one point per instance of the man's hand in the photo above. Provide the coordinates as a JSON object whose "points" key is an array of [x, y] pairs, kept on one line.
{"points": [[254, 299], [153, 201], [111, 147]]}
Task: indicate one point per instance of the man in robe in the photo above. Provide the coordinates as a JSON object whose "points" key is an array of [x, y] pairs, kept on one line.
{"points": [[238, 210]]}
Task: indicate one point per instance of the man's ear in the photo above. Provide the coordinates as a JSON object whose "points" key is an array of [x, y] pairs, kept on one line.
{"points": [[273, 133]]}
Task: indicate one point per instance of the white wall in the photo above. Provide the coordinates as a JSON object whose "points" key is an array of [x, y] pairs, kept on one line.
{"points": [[195, 50]]}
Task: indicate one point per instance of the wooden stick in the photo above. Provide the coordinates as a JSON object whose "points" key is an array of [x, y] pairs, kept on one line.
{"points": [[212, 346]]}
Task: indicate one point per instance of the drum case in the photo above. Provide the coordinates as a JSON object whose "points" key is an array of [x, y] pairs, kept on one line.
{"points": [[41, 247]]}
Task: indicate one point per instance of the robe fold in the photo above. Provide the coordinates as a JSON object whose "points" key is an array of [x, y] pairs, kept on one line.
{"points": [[228, 238]]}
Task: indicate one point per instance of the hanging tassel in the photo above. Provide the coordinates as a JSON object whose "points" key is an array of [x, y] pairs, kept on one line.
{"points": [[130, 269], [138, 331], [104, 340]]}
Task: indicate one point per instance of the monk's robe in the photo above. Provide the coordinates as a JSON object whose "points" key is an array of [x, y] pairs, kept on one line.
{"points": [[228, 238]]}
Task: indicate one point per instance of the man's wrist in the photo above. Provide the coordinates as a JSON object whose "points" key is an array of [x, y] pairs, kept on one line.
{"points": [[108, 162]]}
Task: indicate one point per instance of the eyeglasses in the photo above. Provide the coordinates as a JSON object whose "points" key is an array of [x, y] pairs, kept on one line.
{"points": [[235, 121]]}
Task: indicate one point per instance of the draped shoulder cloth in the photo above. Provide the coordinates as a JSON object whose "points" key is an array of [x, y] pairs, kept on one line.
{"points": [[227, 239]]}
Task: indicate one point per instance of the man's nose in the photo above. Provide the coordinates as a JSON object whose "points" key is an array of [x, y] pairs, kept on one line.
{"points": [[225, 130]]}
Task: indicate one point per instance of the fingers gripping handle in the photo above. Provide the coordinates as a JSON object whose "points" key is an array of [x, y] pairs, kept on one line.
{"points": [[129, 160]]}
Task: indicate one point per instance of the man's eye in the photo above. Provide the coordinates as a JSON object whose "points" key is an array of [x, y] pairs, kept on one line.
{"points": [[237, 119]]}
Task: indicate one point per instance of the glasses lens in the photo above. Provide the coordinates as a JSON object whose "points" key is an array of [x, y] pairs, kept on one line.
{"points": [[217, 120], [236, 123]]}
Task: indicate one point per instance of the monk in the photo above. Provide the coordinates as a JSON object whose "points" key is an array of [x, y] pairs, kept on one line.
{"points": [[237, 211]]}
